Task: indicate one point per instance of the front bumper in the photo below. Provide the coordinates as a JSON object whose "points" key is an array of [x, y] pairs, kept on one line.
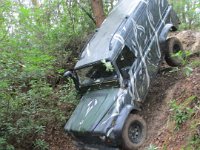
{"points": [[93, 146], [106, 134], [88, 141]]}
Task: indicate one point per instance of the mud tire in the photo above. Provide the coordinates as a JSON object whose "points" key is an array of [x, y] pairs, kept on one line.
{"points": [[173, 46], [134, 125]]}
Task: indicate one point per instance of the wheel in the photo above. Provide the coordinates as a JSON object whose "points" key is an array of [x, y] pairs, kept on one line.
{"points": [[173, 56], [134, 132]]}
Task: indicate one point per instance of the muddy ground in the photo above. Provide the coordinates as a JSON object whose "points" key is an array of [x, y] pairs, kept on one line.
{"points": [[167, 86]]}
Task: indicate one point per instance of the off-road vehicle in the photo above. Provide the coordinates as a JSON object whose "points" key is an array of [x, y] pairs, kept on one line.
{"points": [[115, 71]]}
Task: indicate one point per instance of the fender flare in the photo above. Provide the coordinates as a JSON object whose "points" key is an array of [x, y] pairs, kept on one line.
{"points": [[164, 32], [117, 130]]}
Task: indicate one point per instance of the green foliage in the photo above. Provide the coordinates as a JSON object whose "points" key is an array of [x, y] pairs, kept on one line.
{"points": [[182, 56], [195, 141], [187, 70], [152, 147], [40, 145], [4, 145], [181, 112], [27, 114], [70, 97], [195, 63], [188, 12], [108, 65], [34, 45], [188, 67]]}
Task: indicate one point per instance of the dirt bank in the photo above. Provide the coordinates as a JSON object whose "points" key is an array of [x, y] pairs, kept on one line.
{"points": [[190, 40], [156, 111]]}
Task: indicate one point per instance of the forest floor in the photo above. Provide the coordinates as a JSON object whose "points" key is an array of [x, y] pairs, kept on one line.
{"points": [[171, 84], [157, 111]]}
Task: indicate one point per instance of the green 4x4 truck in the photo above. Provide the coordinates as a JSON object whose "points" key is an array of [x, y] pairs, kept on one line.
{"points": [[115, 71]]}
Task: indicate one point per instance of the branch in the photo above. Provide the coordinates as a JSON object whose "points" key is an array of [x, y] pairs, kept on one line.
{"points": [[87, 13], [4, 36], [70, 14]]}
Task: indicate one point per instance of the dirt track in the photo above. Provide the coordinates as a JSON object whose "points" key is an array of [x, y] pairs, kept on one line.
{"points": [[167, 87]]}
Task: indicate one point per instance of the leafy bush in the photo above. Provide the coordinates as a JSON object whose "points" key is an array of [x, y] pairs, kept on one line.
{"points": [[40, 145], [182, 112], [195, 141], [4, 145], [34, 45], [27, 114], [188, 12], [152, 147]]}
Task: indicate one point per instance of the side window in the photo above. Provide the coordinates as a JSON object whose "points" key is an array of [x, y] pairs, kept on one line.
{"points": [[125, 61]]}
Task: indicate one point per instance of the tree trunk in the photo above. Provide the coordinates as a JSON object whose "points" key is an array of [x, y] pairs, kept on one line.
{"points": [[98, 12], [35, 3]]}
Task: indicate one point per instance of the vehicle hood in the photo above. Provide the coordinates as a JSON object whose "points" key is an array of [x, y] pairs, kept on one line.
{"points": [[92, 108]]}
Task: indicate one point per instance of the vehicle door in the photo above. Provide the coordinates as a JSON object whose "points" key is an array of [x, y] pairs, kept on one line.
{"points": [[137, 40], [142, 41]]}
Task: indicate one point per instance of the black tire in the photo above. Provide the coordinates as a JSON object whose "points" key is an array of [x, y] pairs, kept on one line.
{"points": [[134, 132], [174, 46]]}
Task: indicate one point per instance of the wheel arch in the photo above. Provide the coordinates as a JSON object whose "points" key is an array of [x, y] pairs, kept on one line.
{"points": [[164, 33], [128, 109]]}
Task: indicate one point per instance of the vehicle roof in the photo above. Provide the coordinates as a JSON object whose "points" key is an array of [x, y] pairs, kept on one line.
{"points": [[98, 47]]}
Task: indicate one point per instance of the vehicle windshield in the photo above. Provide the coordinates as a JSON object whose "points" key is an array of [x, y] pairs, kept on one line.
{"points": [[96, 74]]}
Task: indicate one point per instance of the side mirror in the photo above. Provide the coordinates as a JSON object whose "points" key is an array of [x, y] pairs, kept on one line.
{"points": [[68, 74], [72, 75]]}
